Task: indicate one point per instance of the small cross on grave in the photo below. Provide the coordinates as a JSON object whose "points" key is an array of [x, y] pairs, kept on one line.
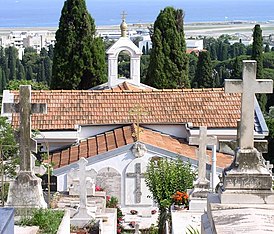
{"points": [[137, 175], [248, 86], [202, 140], [25, 108], [137, 111], [82, 183], [82, 216]]}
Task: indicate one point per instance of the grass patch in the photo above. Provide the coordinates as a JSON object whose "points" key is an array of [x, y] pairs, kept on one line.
{"points": [[48, 220]]}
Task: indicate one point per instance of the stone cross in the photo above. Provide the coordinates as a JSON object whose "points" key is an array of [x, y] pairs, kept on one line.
{"points": [[203, 140], [82, 182], [248, 86], [25, 108], [138, 111], [137, 175]]}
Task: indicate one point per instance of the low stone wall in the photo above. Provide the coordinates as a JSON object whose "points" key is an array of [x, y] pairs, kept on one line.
{"points": [[6, 220], [64, 227]]}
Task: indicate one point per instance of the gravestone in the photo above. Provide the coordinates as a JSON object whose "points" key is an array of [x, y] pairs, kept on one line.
{"points": [[201, 185], [247, 174], [82, 217], [26, 190], [245, 200], [110, 180], [73, 181], [136, 192]]}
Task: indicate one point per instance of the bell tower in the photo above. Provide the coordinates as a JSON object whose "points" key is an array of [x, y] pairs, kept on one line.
{"points": [[124, 44]]}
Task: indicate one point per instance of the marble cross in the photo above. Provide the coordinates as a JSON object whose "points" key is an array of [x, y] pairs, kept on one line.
{"points": [[248, 86], [25, 108], [137, 175], [202, 140], [82, 182]]}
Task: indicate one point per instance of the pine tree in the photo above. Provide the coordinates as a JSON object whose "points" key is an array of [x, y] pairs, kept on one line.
{"points": [[168, 66], [237, 69], [79, 57], [257, 54], [204, 76]]}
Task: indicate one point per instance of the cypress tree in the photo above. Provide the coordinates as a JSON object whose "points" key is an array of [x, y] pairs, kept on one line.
{"points": [[237, 69], [20, 71], [257, 54], [79, 57], [204, 76], [257, 50], [12, 56], [168, 66]]}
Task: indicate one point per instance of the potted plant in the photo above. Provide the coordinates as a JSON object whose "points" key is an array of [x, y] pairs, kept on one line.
{"points": [[180, 200]]}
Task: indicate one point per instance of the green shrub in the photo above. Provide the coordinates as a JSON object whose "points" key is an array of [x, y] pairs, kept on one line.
{"points": [[48, 220]]}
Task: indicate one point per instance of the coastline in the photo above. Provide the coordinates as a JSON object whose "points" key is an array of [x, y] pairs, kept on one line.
{"points": [[212, 28]]}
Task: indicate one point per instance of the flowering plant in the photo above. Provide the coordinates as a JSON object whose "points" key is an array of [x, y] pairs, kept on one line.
{"points": [[98, 188], [180, 198]]}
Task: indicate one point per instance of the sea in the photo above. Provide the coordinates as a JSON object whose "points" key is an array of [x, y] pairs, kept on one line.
{"points": [[46, 13]]}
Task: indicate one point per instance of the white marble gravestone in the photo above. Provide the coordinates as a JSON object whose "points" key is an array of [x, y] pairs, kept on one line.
{"points": [[110, 180], [73, 181], [136, 192], [26, 190]]}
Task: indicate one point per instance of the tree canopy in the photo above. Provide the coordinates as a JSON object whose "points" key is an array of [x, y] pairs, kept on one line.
{"points": [[168, 66], [79, 56]]}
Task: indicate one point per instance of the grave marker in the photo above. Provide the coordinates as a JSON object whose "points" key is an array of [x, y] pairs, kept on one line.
{"points": [[248, 87], [26, 190]]}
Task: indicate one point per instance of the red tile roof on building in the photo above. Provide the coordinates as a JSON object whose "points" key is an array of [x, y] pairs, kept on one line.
{"points": [[123, 136], [202, 107]]}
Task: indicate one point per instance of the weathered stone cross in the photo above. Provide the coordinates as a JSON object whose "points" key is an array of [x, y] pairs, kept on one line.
{"points": [[137, 175], [82, 183], [248, 86], [202, 140], [25, 108]]}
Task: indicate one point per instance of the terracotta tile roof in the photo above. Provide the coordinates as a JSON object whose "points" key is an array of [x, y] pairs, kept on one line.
{"points": [[123, 136], [66, 108]]}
